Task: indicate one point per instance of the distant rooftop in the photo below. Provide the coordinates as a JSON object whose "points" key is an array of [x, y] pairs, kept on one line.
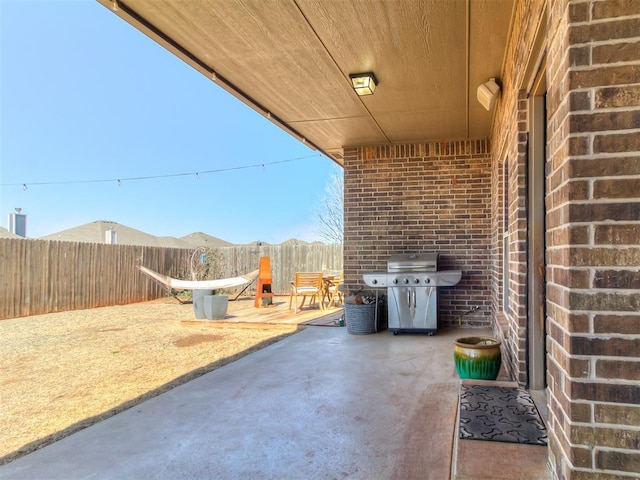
{"points": [[96, 232], [4, 233]]}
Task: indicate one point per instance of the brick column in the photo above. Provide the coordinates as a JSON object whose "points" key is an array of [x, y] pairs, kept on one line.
{"points": [[593, 233]]}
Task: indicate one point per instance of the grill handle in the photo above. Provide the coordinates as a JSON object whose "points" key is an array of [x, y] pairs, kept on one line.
{"points": [[411, 298]]}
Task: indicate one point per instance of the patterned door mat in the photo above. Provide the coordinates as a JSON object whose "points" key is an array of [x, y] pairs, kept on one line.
{"points": [[500, 414]]}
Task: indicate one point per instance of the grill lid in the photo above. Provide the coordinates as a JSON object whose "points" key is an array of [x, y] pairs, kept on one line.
{"points": [[413, 262]]}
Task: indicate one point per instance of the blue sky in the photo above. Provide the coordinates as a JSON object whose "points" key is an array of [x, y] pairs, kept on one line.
{"points": [[84, 96]]}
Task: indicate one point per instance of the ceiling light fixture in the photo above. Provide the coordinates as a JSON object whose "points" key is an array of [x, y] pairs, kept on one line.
{"points": [[487, 93], [363, 83]]}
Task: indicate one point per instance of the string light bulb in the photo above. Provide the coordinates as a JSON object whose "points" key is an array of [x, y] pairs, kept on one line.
{"points": [[119, 181]]}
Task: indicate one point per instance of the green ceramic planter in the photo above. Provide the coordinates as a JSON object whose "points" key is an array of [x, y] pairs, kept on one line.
{"points": [[477, 357]]}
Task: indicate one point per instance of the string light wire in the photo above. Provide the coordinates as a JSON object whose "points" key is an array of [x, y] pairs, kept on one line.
{"points": [[153, 177]]}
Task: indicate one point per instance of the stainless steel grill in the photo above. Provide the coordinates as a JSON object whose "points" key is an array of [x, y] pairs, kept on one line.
{"points": [[412, 281]]}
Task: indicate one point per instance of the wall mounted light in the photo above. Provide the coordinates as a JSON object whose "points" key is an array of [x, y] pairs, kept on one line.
{"points": [[363, 83], [488, 93]]}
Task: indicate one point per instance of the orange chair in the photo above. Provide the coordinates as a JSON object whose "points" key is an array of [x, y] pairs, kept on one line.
{"points": [[264, 294]]}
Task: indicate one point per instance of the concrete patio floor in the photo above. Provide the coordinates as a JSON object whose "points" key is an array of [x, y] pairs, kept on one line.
{"points": [[320, 404]]}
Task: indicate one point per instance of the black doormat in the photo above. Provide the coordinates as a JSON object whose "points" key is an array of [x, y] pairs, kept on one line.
{"points": [[500, 414]]}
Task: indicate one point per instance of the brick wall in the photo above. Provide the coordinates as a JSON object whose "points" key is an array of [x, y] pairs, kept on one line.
{"points": [[422, 197], [593, 232], [509, 209], [516, 221]]}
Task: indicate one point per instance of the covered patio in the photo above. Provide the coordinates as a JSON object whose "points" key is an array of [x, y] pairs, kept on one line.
{"points": [[319, 404], [535, 198]]}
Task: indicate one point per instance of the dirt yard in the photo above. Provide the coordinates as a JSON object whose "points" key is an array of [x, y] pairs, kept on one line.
{"points": [[64, 371]]}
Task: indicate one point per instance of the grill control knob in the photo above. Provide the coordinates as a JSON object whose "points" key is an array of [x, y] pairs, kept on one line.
{"points": [[405, 281], [395, 281], [416, 280], [374, 281], [427, 280]]}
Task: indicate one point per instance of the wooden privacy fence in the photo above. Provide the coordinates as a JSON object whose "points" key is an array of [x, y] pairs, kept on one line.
{"points": [[40, 276], [286, 260]]}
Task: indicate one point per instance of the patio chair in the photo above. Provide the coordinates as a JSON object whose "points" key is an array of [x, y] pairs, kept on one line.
{"points": [[306, 285], [333, 290]]}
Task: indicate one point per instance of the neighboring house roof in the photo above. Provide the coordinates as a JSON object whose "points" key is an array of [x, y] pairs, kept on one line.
{"points": [[295, 241], [4, 233], [95, 232], [199, 239]]}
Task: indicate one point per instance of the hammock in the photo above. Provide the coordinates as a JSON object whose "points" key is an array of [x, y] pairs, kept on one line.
{"points": [[200, 284]]}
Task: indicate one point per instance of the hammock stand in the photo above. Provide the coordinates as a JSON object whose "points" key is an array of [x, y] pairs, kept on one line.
{"points": [[176, 284]]}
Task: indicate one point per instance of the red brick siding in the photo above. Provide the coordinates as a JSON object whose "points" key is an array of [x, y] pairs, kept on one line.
{"points": [[497, 230], [593, 223], [422, 197], [509, 136]]}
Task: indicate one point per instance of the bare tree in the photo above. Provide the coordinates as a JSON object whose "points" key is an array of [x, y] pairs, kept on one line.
{"points": [[206, 264], [330, 208]]}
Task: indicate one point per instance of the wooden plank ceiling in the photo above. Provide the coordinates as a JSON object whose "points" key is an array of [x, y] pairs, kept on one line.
{"points": [[290, 60]]}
